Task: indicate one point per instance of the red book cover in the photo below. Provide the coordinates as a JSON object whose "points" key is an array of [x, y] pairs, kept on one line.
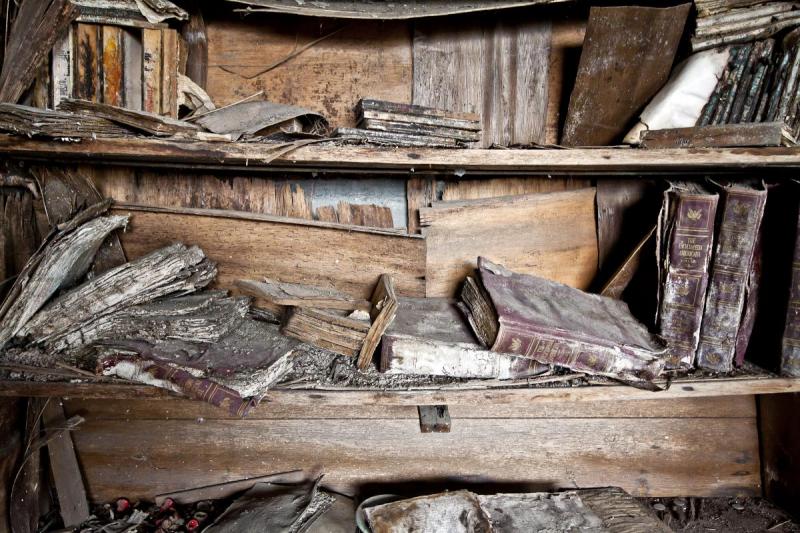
{"points": [[688, 225], [742, 211]]}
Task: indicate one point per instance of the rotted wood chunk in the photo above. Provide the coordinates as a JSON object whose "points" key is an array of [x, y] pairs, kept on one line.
{"points": [[384, 309], [434, 418]]}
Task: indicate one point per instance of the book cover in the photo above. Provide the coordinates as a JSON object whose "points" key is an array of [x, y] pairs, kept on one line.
{"points": [[790, 345], [429, 336], [687, 229], [557, 324], [742, 211]]}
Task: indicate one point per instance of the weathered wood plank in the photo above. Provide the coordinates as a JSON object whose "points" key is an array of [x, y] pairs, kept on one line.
{"points": [[64, 466], [183, 409], [366, 60], [728, 135], [169, 73], [251, 156], [151, 70], [644, 456], [420, 192], [779, 417], [548, 235], [113, 66], [88, 59], [132, 67], [11, 447], [247, 246], [488, 393], [496, 68]]}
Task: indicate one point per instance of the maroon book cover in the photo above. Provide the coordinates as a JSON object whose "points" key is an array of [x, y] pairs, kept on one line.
{"points": [[790, 350], [742, 211], [750, 300], [689, 238], [557, 324]]}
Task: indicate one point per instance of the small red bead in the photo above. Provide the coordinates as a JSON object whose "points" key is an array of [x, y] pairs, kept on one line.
{"points": [[192, 524]]}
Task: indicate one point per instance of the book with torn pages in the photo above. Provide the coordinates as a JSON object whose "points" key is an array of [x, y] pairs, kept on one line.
{"points": [[429, 336], [556, 324], [686, 235], [742, 212]]}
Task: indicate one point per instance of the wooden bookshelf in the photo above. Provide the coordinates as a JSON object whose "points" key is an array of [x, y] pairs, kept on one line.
{"points": [[154, 152], [473, 394]]}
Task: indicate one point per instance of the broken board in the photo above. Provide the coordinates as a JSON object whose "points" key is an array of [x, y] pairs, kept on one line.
{"points": [[549, 235]]}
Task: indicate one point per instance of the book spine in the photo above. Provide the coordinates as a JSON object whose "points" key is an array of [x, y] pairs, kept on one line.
{"points": [[751, 300], [686, 266], [741, 218], [620, 362], [790, 350]]}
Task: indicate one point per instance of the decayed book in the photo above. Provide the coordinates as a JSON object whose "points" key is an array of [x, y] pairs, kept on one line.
{"points": [[429, 336], [259, 118], [144, 121], [33, 122], [372, 109], [790, 349], [336, 333], [724, 135], [299, 295], [606, 510], [686, 235], [134, 13], [555, 324], [740, 22], [742, 211], [396, 139]]}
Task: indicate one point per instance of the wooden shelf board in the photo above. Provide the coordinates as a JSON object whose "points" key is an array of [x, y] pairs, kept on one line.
{"points": [[355, 159], [684, 388]]}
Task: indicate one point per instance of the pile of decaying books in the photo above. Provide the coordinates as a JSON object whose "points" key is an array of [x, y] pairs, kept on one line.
{"points": [[397, 124], [713, 247], [722, 22]]}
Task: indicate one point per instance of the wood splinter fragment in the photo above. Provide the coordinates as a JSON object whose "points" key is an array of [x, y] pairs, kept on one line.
{"points": [[384, 309]]}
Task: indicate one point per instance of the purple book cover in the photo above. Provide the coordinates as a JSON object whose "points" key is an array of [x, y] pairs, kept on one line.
{"points": [[557, 324], [790, 351], [743, 209], [689, 245]]}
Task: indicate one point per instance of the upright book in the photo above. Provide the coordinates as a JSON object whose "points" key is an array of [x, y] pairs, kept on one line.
{"points": [[790, 349], [686, 231], [556, 324], [742, 211]]}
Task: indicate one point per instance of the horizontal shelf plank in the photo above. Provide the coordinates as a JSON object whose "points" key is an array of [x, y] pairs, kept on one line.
{"points": [[684, 388], [315, 157]]}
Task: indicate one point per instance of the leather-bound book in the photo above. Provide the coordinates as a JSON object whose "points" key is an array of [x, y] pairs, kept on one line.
{"points": [[686, 226], [790, 350], [742, 211], [556, 324], [429, 336]]}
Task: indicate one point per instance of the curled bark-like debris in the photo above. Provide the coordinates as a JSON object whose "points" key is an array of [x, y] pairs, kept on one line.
{"points": [[59, 263]]}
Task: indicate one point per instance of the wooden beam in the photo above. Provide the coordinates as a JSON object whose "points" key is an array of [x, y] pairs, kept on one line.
{"points": [[476, 393], [171, 153]]}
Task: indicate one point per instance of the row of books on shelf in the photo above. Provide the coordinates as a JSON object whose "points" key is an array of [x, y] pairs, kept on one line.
{"points": [[729, 275]]}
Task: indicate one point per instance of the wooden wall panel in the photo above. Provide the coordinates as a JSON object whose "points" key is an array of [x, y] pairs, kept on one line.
{"points": [[780, 444], [365, 59], [493, 187], [496, 66], [11, 446], [688, 454], [565, 52], [249, 246]]}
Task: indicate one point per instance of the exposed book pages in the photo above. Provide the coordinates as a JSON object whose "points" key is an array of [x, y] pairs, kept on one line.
{"points": [[555, 324], [742, 211], [606, 510], [417, 120], [326, 330], [429, 336], [36, 122], [790, 346], [686, 235]]}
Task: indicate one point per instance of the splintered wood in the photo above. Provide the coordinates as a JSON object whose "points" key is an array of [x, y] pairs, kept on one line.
{"points": [[299, 295], [384, 308], [551, 235], [332, 332]]}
